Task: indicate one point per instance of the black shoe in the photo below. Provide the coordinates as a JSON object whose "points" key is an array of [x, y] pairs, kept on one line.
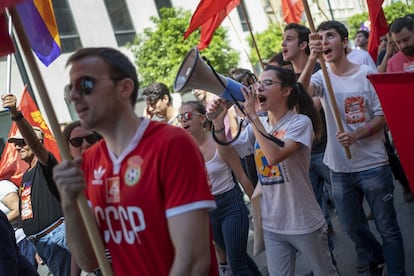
{"points": [[377, 269]]}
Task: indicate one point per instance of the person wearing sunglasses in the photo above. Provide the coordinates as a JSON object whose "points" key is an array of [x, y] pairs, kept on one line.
{"points": [[159, 103], [152, 214], [292, 219], [230, 221], [40, 207], [79, 138]]}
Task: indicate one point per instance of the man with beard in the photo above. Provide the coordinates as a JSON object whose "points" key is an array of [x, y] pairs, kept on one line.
{"points": [[402, 32]]}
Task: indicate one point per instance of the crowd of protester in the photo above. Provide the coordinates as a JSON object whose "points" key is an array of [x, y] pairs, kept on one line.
{"points": [[166, 188]]}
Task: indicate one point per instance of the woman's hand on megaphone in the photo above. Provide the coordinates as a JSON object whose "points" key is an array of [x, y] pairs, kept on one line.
{"points": [[250, 100], [219, 109]]}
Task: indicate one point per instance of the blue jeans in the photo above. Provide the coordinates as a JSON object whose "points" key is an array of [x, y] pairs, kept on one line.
{"points": [[54, 251], [28, 251], [348, 191], [319, 176], [230, 224]]}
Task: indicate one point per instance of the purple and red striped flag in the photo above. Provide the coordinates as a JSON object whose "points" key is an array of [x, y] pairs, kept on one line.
{"points": [[39, 22]]}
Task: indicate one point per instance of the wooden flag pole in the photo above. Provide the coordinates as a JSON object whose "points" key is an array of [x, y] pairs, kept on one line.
{"points": [[327, 80], [88, 219], [251, 32]]}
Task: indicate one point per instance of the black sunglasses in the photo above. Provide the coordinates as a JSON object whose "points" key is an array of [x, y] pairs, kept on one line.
{"points": [[78, 141], [83, 86], [19, 142]]}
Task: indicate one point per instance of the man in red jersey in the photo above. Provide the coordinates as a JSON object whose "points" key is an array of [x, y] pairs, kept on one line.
{"points": [[150, 198]]}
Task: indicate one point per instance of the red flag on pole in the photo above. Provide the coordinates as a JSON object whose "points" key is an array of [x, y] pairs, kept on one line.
{"points": [[292, 10], [209, 15], [11, 166], [6, 44], [395, 92], [379, 26]]}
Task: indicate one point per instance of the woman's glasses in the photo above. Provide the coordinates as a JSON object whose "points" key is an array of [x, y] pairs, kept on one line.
{"points": [[78, 141], [266, 84], [186, 116]]}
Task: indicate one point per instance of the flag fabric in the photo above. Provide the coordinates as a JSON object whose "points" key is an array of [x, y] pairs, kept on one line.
{"points": [[379, 26], [292, 11], [395, 107], [8, 3], [38, 20], [209, 15], [11, 166], [6, 44]]}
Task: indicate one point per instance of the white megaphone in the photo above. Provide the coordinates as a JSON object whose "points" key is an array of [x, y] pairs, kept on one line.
{"points": [[194, 73]]}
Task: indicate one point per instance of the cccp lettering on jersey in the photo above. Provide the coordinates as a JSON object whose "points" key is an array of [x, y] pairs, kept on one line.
{"points": [[122, 223]]}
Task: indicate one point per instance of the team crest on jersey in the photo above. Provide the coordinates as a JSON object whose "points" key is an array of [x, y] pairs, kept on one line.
{"points": [[133, 171]]}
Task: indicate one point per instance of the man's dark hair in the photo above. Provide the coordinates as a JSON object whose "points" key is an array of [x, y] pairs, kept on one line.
{"points": [[278, 58], [337, 26], [120, 66], [244, 76], [363, 32], [303, 34], [155, 91], [403, 22]]}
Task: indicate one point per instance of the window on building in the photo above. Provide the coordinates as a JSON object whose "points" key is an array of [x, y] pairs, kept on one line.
{"points": [[242, 16], [69, 37], [162, 4], [121, 21]]}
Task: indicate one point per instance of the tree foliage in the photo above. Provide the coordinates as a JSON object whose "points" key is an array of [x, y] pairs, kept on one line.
{"points": [[268, 42], [392, 12], [160, 50]]}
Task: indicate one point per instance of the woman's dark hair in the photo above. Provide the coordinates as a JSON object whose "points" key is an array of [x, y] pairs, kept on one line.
{"points": [[298, 97], [68, 129], [71, 126], [200, 108]]}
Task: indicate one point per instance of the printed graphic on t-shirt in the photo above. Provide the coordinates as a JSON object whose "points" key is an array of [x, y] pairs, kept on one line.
{"points": [[113, 190], [268, 174], [354, 110], [133, 172], [26, 201]]}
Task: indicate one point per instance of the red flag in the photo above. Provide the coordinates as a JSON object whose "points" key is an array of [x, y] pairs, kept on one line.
{"points": [[8, 3], [11, 166], [379, 26], [292, 10], [395, 106], [209, 15], [6, 44]]}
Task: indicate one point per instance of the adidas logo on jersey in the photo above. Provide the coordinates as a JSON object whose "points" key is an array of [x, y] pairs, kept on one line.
{"points": [[97, 175]]}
